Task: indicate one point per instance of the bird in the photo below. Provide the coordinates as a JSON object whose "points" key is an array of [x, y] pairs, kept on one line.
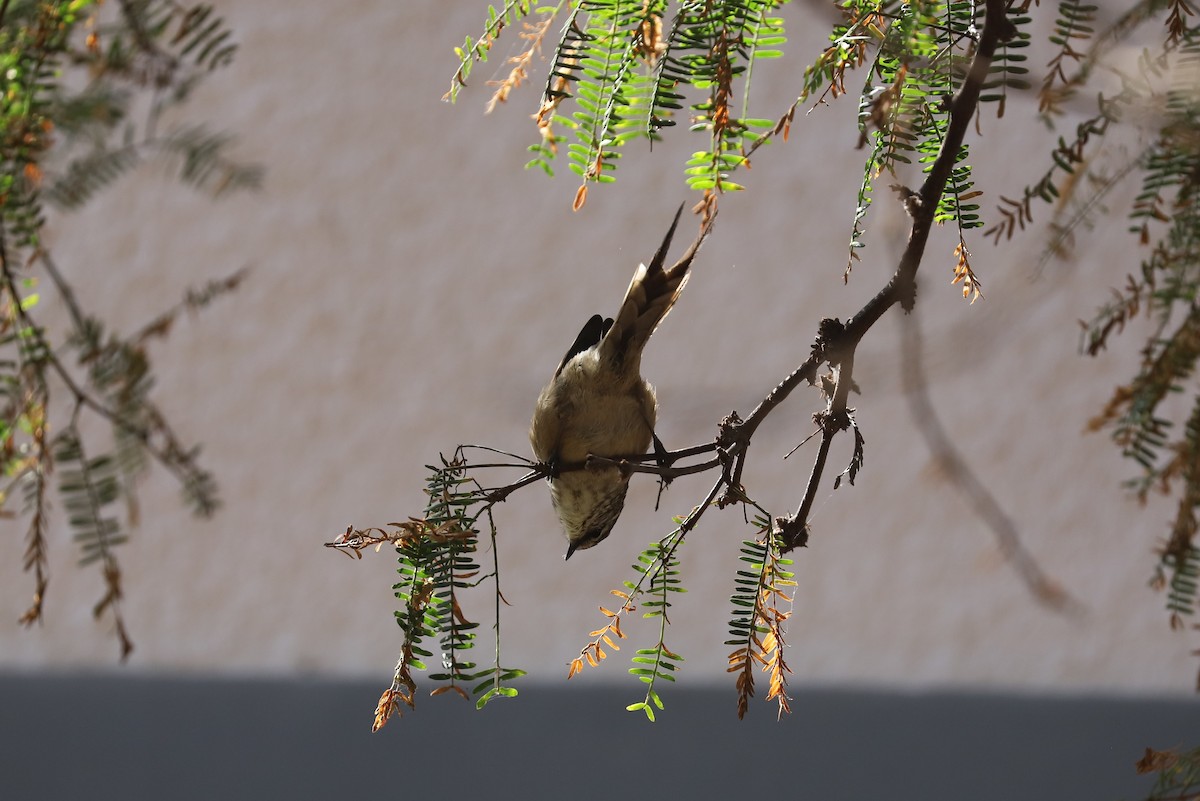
{"points": [[598, 404]]}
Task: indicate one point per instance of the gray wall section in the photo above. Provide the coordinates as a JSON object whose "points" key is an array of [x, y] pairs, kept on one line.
{"points": [[86, 736]]}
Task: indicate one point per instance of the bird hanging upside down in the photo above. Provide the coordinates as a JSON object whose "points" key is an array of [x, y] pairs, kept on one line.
{"points": [[598, 404]]}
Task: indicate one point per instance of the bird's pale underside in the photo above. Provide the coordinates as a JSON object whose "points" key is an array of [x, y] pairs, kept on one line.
{"points": [[598, 404]]}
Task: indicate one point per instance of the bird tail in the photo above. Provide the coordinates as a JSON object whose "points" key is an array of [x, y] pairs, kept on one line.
{"points": [[651, 294]]}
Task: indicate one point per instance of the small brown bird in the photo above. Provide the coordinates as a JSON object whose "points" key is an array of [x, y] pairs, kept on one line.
{"points": [[598, 404]]}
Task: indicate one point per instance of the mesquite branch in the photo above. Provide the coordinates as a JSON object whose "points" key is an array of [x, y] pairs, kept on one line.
{"points": [[835, 343]]}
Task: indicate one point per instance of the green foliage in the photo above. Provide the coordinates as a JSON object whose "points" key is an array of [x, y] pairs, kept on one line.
{"points": [[434, 571], [196, 33], [156, 48], [1074, 26], [90, 173], [1008, 72], [437, 567], [1178, 774], [629, 73], [1165, 218], [761, 606], [625, 70], [904, 108], [89, 488], [74, 73], [630, 67], [33, 41], [660, 563], [864, 24], [474, 50], [1184, 568]]}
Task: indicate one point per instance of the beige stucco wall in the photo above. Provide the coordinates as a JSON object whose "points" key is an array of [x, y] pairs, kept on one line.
{"points": [[412, 288]]}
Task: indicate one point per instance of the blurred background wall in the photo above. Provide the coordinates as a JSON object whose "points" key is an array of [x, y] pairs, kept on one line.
{"points": [[412, 288]]}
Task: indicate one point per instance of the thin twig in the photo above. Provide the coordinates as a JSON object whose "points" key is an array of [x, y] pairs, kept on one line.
{"points": [[635, 465], [499, 494], [794, 529]]}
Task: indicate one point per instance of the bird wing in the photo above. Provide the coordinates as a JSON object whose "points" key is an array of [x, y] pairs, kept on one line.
{"points": [[589, 336]]}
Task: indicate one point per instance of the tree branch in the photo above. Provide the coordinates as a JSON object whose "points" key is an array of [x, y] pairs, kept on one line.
{"points": [[837, 344], [171, 454]]}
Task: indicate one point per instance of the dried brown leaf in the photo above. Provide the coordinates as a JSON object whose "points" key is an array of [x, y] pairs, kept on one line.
{"points": [[454, 688], [1155, 761]]}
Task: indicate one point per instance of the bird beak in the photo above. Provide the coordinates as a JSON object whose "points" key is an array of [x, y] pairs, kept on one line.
{"points": [[570, 550]]}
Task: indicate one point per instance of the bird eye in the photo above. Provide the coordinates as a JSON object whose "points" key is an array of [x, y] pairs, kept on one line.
{"points": [[593, 535]]}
